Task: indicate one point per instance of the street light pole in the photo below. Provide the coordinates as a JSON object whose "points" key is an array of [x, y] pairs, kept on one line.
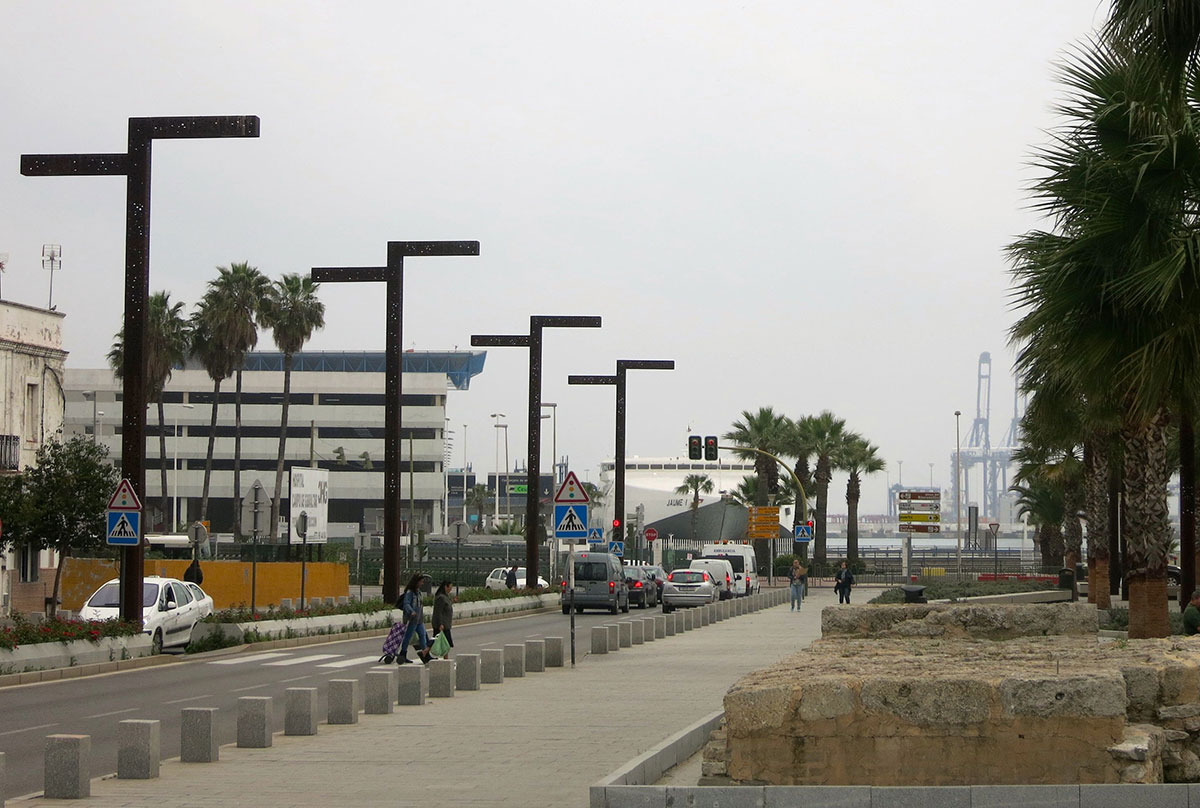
{"points": [[90, 395], [553, 416], [466, 467], [175, 470], [496, 416], [957, 498]]}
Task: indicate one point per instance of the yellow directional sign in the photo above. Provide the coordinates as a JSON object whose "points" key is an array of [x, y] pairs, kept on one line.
{"points": [[920, 517]]}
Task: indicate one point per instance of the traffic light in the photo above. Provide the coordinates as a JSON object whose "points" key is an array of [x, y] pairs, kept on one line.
{"points": [[616, 524], [694, 447], [710, 447]]}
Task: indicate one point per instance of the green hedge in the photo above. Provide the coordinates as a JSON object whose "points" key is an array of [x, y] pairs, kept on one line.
{"points": [[939, 588]]}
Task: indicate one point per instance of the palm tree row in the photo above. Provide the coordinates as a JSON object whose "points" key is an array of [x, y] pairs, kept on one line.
{"points": [[222, 329], [824, 441], [1109, 296]]}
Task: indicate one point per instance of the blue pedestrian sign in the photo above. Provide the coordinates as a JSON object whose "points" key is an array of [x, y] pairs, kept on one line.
{"points": [[570, 520], [803, 533], [596, 536], [124, 528], [617, 548]]}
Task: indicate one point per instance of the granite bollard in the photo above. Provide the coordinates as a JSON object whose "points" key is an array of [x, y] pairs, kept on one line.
{"points": [[599, 639], [343, 701], [648, 628], [380, 686], [638, 627], [624, 634], [254, 722], [412, 683], [535, 656], [554, 652], [660, 626], [614, 637], [492, 666], [198, 735], [669, 624], [300, 711], [441, 679], [138, 744], [466, 672], [68, 767], [514, 660]]}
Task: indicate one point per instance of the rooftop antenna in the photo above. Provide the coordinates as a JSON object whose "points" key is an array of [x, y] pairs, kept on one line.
{"points": [[3, 266], [51, 260]]}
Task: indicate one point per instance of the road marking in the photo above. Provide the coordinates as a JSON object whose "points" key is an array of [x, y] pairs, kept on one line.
{"points": [[349, 663], [190, 698], [295, 679], [114, 712], [252, 687], [302, 660], [28, 729], [251, 658]]}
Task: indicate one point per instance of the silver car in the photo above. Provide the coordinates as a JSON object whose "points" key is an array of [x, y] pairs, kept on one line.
{"points": [[687, 587]]}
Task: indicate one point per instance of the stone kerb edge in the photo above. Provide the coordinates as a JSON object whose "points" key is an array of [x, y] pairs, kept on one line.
{"points": [[649, 766]]}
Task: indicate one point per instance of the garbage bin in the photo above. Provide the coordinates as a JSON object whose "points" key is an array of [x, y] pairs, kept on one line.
{"points": [[914, 593], [1066, 578]]}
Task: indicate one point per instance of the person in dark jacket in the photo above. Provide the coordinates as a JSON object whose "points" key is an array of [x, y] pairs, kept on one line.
{"points": [[510, 578], [414, 617], [443, 613], [842, 583]]}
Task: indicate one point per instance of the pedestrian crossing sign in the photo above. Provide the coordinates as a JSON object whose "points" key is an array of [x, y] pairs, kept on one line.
{"points": [[803, 533], [596, 536], [124, 528], [570, 521], [617, 548]]}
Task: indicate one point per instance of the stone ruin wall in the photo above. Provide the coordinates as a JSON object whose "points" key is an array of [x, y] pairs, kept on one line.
{"points": [[927, 702]]}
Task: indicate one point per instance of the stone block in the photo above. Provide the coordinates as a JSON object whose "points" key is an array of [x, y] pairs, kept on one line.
{"points": [[441, 679], [343, 700], [491, 666], [68, 773], [922, 796], [705, 614], [685, 620], [514, 660], [198, 735], [300, 711], [717, 796], [1025, 796], [285, 603], [660, 626], [554, 652], [669, 623], [466, 672], [412, 683], [1158, 795], [138, 745], [254, 722], [631, 796], [638, 629], [535, 656], [380, 688], [824, 796], [624, 634], [614, 637], [343, 600], [648, 624], [599, 639]]}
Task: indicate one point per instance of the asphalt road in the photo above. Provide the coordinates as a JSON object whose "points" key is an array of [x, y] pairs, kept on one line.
{"points": [[94, 705]]}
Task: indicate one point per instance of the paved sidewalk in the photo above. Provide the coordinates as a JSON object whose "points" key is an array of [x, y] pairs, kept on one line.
{"points": [[536, 741]]}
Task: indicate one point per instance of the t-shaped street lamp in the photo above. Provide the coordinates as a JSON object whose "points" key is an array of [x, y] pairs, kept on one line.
{"points": [[533, 341], [393, 276], [134, 164]]}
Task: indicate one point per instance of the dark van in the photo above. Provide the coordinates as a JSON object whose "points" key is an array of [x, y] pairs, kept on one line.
{"points": [[599, 584]]}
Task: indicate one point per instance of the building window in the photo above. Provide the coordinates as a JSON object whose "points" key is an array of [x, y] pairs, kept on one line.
{"points": [[32, 410], [27, 564]]}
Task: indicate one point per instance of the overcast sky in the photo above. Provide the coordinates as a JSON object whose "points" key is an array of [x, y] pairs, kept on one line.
{"points": [[803, 204]]}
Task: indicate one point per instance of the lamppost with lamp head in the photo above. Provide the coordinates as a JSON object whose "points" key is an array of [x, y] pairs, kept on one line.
{"points": [[957, 498], [175, 471], [496, 416]]}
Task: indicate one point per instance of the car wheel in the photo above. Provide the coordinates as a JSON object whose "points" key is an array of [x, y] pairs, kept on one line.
{"points": [[625, 608], [156, 642], [1174, 580], [612, 609], [566, 609], [578, 610], [666, 609]]}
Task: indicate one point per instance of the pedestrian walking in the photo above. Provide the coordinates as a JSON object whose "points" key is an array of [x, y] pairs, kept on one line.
{"points": [[443, 614], [796, 576], [510, 578], [414, 618], [842, 583]]}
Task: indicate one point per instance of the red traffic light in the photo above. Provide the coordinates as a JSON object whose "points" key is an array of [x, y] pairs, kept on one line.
{"points": [[616, 523], [710, 447], [695, 448]]}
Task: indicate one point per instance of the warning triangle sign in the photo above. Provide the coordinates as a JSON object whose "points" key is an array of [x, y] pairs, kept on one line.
{"points": [[123, 499], [571, 491], [570, 523]]}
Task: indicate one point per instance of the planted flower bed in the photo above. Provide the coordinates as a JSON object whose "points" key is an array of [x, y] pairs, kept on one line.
{"points": [[27, 645]]}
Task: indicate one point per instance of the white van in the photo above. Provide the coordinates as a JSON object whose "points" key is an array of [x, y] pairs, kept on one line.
{"points": [[720, 570], [745, 571]]}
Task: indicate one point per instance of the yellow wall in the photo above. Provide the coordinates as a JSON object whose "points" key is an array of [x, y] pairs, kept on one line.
{"points": [[228, 582]]}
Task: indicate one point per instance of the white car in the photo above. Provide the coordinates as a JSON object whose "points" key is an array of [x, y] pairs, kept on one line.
{"points": [[495, 579], [170, 609]]}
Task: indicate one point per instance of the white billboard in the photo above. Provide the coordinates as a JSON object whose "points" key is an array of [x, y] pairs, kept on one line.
{"points": [[309, 495]]}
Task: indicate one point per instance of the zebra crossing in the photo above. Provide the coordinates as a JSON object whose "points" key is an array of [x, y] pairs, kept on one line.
{"points": [[286, 659]]}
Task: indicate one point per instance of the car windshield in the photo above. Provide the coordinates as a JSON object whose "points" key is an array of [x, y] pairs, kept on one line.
{"points": [[109, 596], [687, 576], [736, 561], [591, 571]]}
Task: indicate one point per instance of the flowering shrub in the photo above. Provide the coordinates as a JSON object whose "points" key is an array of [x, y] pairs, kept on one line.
{"points": [[24, 632]]}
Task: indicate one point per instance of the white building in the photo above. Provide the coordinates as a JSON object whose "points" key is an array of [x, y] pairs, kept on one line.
{"points": [[31, 412], [335, 421]]}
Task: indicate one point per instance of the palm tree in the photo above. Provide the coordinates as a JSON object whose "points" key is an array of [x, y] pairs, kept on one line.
{"points": [[292, 311], [695, 484], [210, 349], [478, 499], [825, 437], [860, 458], [765, 431], [238, 291], [1042, 501], [167, 339]]}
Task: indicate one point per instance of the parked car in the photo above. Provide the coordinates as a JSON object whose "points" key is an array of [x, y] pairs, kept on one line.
{"points": [[721, 570], [170, 609], [496, 578], [642, 589], [599, 583], [688, 587], [655, 572]]}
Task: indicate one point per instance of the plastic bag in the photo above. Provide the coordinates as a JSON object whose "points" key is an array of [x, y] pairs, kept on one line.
{"points": [[440, 645]]}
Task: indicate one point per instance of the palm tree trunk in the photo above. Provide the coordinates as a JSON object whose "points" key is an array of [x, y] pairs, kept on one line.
{"points": [[1095, 491], [168, 517], [1149, 529], [283, 422], [237, 457], [853, 494], [208, 458], [1187, 502], [695, 509], [820, 528]]}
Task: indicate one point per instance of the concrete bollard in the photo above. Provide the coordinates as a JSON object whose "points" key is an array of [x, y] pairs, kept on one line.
{"points": [[535, 656], [466, 672], [685, 618], [638, 628], [254, 722], [68, 767], [554, 652], [514, 660], [138, 749], [343, 701], [3, 785], [285, 603], [647, 629], [624, 634], [300, 711], [614, 637], [670, 624], [599, 639], [492, 666], [412, 683], [380, 686], [198, 735], [441, 678], [660, 626]]}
